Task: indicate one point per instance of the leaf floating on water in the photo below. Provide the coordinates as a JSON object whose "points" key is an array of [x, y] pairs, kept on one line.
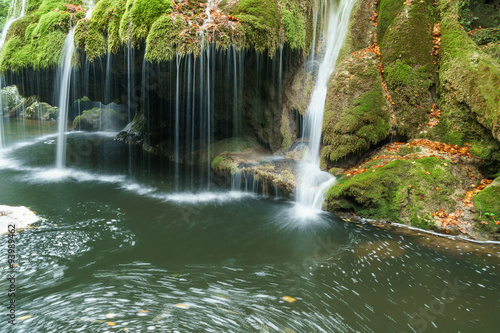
{"points": [[24, 317], [220, 295], [110, 323], [143, 311], [110, 315], [289, 299], [182, 306], [229, 311]]}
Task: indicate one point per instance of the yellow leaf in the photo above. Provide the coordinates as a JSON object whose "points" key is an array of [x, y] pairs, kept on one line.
{"points": [[110, 323], [289, 299], [24, 317], [143, 311], [182, 306]]}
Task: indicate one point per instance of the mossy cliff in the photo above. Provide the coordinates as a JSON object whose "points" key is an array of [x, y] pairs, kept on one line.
{"points": [[168, 28], [435, 83], [165, 27], [36, 40]]}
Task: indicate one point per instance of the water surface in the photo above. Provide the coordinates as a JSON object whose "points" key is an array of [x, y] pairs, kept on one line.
{"points": [[119, 245]]}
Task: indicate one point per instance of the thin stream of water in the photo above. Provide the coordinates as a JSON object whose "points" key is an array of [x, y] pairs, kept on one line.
{"points": [[314, 182]]}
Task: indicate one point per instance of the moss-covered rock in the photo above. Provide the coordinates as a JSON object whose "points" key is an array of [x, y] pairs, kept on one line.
{"points": [[98, 119], [169, 28], [41, 111], [356, 112], [404, 191], [469, 92], [36, 40], [406, 45], [487, 206]]}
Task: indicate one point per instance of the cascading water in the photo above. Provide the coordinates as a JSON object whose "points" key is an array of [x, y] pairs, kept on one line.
{"points": [[16, 11], [64, 79], [313, 181]]}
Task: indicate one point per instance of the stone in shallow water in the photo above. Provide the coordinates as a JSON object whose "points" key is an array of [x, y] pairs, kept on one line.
{"points": [[21, 217]]}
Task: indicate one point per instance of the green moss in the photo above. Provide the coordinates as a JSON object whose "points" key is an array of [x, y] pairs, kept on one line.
{"points": [[262, 23], [356, 112], [36, 40], [388, 11], [222, 164], [401, 191], [487, 204], [469, 85], [410, 70], [295, 25], [164, 39], [138, 18]]}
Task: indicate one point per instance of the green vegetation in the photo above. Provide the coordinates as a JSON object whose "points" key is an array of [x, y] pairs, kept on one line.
{"points": [[405, 38], [4, 11], [36, 40], [356, 112], [402, 191], [222, 164], [388, 11], [487, 205], [469, 89], [295, 25]]}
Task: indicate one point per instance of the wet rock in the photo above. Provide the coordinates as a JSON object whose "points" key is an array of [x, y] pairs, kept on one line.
{"points": [[10, 98], [15, 218], [98, 119], [41, 111]]}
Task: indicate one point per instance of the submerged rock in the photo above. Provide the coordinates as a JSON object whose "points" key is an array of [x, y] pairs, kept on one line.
{"points": [[15, 218]]}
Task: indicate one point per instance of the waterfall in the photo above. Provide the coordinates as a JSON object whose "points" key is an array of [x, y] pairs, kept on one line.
{"points": [[313, 181], [64, 79], [15, 13]]}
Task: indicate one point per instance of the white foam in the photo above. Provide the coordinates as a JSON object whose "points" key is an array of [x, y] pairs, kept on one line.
{"points": [[204, 197], [21, 217], [42, 175]]}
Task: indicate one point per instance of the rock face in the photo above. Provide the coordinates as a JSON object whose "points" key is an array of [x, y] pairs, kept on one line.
{"points": [[10, 98], [31, 108], [435, 88], [15, 218]]}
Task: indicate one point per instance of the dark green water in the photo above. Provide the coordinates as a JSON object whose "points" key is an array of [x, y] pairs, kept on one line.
{"points": [[116, 239]]}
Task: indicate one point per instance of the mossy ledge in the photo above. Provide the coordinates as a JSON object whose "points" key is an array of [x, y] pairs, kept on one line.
{"points": [[164, 28], [36, 40]]}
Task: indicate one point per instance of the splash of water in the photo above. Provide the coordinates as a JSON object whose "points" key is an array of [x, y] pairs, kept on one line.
{"points": [[314, 182]]}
